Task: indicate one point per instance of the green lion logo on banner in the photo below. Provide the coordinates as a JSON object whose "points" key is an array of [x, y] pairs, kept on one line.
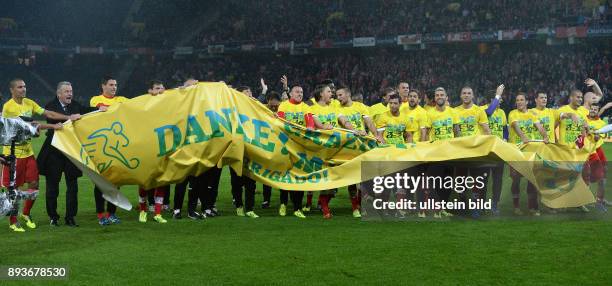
{"points": [[109, 142]]}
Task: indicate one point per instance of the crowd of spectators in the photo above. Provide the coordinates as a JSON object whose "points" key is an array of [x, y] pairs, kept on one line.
{"points": [[307, 20], [158, 22], [528, 68]]}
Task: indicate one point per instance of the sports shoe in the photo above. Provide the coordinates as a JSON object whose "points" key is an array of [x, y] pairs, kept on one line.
{"points": [[299, 214], [104, 221], [607, 203], [445, 213], [356, 214], [16, 227], [70, 222], [265, 205], [534, 212], [584, 209], [177, 214], [159, 218], [54, 222], [601, 206], [306, 209], [282, 211], [240, 211], [422, 215], [252, 214], [437, 215], [195, 215], [209, 213], [28, 221], [518, 211], [142, 217], [114, 219]]}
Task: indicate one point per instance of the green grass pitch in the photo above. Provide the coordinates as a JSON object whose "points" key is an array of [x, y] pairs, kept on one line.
{"points": [[277, 250]]}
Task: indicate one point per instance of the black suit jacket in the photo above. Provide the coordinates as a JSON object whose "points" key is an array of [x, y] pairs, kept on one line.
{"points": [[49, 157]]}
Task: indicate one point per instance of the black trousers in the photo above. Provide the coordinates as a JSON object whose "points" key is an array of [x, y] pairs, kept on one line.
{"points": [[179, 193], [207, 185], [52, 191], [296, 198], [110, 208], [267, 193], [238, 183]]}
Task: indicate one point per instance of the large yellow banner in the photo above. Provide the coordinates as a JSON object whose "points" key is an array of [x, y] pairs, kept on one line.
{"points": [[159, 140]]}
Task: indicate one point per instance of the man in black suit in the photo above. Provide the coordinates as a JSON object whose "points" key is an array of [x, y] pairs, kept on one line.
{"points": [[52, 162]]}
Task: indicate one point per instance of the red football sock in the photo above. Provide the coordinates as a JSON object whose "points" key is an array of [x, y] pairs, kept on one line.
{"points": [[100, 215], [324, 200], [309, 199], [355, 203], [159, 200], [13, 219], [142, 199], [27, 206]]}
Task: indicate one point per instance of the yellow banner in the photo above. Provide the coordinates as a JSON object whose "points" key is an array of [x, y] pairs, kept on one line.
{"points": [[159, 140]]}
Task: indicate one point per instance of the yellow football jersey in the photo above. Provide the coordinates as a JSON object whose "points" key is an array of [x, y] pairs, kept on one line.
{"points": [[417, 117], [395, 126], [355, 114], [101, 100], [28, 108], [568, 130], [470, 119], [326, 114], [440, 123], [497, 121], [294, 113], [548, 118], [526, 123], [594, 125]]}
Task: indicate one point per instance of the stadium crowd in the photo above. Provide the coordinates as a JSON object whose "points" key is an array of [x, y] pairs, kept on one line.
{"points": [[530, 70], [285, 20]]}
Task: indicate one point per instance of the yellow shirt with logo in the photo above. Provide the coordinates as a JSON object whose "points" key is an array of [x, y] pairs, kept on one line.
{"points": [[326, 114], [568, 130], [417, 117], [101, 100], [594, 125], [548, 118], [470, 119], [294, 113], [526, 123], [395, 126], [355, 114], [12, 109], [497, 121], [440, 123]]}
